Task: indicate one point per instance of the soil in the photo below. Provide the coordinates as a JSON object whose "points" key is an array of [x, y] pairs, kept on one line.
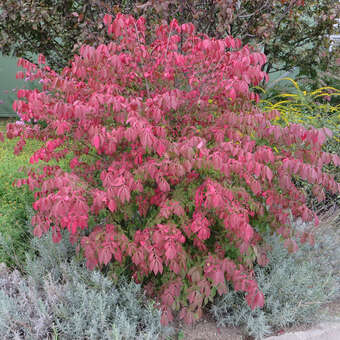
{"points": [[208, 330]]}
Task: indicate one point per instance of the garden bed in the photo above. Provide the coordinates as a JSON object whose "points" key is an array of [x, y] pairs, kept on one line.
{"points": [[327, 248]]}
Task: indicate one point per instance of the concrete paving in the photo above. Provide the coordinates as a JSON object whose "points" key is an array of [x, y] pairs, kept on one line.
{"points": [[323, 331]]}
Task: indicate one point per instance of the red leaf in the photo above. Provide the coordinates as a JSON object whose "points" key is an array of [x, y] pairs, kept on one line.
{"points": [[257, 169], [138, 256], [248, 232], [188, 316], [174, 266], [56, 236], [255, 300], [50, 146], [146, 137], [163, 184], [165, 211], [74, 162], [231, 94], [195, 274], [41, 59], [20, 75], [178, 210], [167, 317], [204, 233], [37, 231], [173, 101]]}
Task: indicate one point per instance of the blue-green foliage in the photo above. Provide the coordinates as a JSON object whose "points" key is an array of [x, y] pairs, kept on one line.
{"points": [[59, 298]]}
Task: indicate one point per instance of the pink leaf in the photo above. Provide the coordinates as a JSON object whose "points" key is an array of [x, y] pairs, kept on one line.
{"points": [[170, 252], [112, 205], [37, 231], [204, 233], [124, 194], [96, 141], [160, 148], [118, 181], [218, 277], [255, 300], [107, 19], [248, 232], [232, 94], [155, 264], [163, 185], [104, 255], [268, 173], [41, 59]]}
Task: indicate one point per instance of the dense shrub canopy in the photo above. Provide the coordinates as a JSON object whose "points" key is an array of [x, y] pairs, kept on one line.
{"points": [[175, 173]]}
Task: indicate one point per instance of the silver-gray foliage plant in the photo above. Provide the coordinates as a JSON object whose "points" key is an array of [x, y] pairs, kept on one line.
{"points": [[60, 299], [295, 287]]}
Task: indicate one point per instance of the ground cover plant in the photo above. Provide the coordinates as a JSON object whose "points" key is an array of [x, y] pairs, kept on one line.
{"points": [[174, 174], [58, 298]]}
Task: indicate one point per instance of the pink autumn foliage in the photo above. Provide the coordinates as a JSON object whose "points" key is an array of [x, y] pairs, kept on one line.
{"points": [[176, 113]]}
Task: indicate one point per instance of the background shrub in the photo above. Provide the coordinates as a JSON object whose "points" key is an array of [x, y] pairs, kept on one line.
{"points": [[291, 33]]}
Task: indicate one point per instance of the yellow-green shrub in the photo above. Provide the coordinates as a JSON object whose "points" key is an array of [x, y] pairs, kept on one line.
{"points": [[309, 108]]}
